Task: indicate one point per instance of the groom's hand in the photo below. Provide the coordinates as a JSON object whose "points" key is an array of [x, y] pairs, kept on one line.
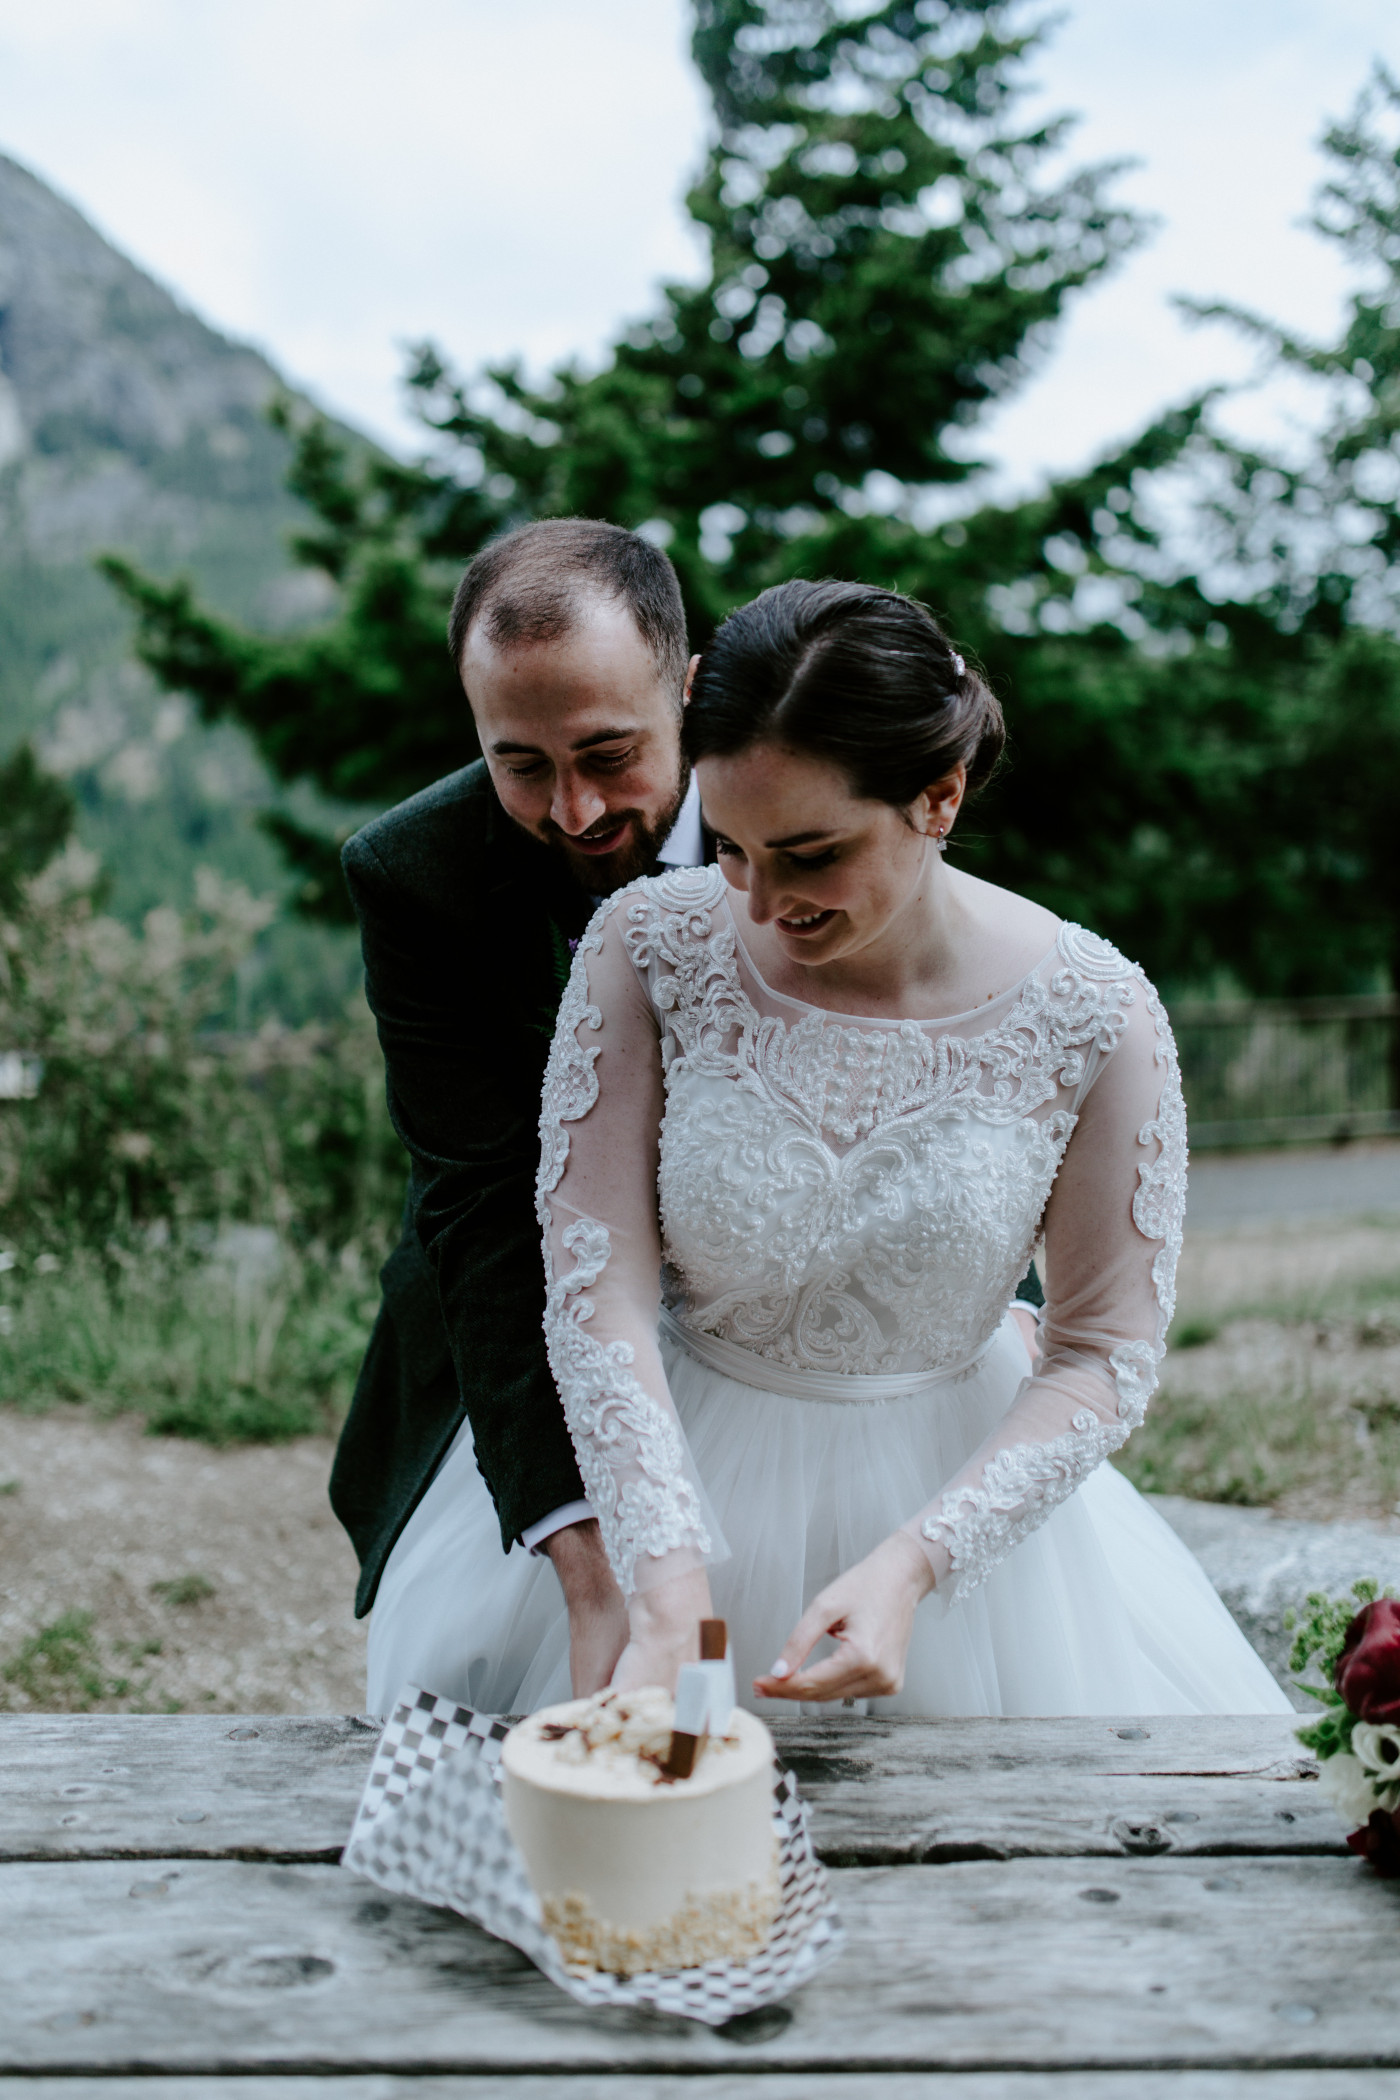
{"points": [[665, 1631], [597, 1613]]}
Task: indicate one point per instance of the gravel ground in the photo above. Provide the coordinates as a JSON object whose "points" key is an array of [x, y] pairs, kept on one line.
{"points": [[216, 1581], [1289, 1266]]}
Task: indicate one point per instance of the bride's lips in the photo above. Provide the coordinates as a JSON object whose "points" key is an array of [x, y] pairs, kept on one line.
{"points": [[603, 841], [804, 927]]}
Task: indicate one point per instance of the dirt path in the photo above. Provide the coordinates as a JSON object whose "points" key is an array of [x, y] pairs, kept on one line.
{"points": [[167, 1573]]}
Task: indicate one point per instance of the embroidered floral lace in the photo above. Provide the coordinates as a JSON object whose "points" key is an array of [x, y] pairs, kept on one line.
{"points": [[850, 1196]]}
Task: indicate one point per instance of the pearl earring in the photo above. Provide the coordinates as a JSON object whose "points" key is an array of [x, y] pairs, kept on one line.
{"points": [[940, 841]]}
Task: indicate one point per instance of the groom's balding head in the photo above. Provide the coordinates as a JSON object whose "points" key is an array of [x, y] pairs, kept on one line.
{"points": [[540, 583], [569, 638]]}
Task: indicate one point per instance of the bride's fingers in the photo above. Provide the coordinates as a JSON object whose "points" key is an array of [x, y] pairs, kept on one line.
{"points": [[815, 1621], [826, 1685], [845, 1675]]}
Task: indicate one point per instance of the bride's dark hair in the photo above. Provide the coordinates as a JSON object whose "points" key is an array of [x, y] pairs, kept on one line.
{"points": [[852, 674]]}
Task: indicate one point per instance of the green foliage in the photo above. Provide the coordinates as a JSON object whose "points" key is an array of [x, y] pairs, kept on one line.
{"points": [[761, 423], [187, 1215], [185, 1337], [36, 817], [1194, 1334], [1203, 750], [1303, 554], [1318, 1641], [149, 1112], [1319, 1637]]}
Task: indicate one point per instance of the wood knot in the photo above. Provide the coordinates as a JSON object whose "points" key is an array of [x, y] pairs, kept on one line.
{"points": [[1141, 1836]]}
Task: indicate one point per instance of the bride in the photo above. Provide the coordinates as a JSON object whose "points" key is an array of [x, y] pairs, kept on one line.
{"points": [[807, 1115]]}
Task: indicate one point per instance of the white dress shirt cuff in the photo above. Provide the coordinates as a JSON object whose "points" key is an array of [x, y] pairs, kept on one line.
{"points": [[534, 1535]]}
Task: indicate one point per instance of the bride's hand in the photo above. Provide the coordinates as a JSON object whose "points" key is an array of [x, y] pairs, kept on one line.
{"points": [[869, 1613], [665, 1631]]}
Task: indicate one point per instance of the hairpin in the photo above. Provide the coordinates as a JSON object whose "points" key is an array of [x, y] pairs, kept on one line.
{"points": [[958, 665]]}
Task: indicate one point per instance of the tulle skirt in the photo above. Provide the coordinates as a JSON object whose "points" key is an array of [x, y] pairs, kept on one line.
{"points": [[1101, 1610]]}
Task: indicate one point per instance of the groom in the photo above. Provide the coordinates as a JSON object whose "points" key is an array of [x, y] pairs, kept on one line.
{"points": [[569, 637]]}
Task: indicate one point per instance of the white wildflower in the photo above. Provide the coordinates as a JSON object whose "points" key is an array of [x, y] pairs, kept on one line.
{"points": [[1377, 1747], [1347, 1785]]}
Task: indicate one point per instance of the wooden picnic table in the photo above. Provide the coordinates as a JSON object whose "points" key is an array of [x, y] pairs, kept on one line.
{"points": [[1119, 1910]]}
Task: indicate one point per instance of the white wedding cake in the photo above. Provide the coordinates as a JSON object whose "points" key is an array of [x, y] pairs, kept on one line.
{"points": [[636, 1868]]}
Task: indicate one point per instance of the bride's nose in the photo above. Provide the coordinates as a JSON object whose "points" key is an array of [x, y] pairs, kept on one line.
{"points": [[762, 895]]}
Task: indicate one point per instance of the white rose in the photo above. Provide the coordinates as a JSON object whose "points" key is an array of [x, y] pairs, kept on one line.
{"points": [[1347, 1785], [1376, 1744]]}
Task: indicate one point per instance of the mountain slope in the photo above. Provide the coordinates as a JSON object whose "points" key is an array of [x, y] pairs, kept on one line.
{"points": [[128, 425]]}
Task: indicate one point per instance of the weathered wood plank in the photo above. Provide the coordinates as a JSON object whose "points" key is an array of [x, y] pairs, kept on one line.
{"points": [[882, 1792], [209, 1967], [204, 1785], [725, 2085]]}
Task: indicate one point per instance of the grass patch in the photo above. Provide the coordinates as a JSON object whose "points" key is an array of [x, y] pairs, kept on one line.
{"points": [[200, 1348], [66, 1667], [1241, 1449], [184, 1589], [58, 1669], [1301, 1409]]}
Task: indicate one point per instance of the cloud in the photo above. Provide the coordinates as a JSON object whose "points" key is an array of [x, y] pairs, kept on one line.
{"points": [[332, 178]]}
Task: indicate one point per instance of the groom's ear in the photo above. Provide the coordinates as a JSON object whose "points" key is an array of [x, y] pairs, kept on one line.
{"points": [[690, 670]]}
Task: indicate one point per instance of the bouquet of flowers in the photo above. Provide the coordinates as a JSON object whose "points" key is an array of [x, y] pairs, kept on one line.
{"points": [[1353, 1644]]}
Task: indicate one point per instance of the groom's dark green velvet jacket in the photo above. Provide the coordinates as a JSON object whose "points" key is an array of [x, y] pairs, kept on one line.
{"points": [[466, 924]]}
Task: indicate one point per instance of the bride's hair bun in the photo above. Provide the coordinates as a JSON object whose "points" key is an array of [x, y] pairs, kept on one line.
{"points": [[861, 677]]}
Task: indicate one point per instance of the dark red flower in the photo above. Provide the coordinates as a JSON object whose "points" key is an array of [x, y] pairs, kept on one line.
{"points": [[1379, 1842], [1368, 1669]]}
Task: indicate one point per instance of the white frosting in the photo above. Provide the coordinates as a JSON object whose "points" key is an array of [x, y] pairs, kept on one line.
{"points": [[633, 1870]]}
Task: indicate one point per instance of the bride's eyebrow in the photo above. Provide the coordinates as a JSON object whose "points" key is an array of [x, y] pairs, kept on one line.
{"points": [[797, 838]]}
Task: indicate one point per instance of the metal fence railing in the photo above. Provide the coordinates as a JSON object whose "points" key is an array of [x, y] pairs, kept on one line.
{"points": [[1265, 1071]]}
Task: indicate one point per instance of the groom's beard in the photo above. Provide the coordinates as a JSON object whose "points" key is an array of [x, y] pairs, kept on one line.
{"points": [[602, 873]]}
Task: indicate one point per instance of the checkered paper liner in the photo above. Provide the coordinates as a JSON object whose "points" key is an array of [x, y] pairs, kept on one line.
{"points": [[431, 1824]]}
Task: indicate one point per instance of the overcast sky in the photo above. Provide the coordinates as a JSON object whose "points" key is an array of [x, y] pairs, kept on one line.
{"points": [[333, 178]]}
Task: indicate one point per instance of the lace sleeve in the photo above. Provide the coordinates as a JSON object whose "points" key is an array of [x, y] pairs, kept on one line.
{"points": [[1112, 1238], [600, 1127]]}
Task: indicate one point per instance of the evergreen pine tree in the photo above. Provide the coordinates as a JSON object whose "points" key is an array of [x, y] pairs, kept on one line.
{"points": [[886, 258], [889, 253]]}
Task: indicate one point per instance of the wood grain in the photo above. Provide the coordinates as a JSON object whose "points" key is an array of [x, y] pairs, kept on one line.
{"points": [[731, 2085], [76, 1786], [1019, 1966], [882, 1792]]}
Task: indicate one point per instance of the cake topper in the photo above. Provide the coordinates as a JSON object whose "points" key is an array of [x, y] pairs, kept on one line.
{"points": [[704, 1700]]}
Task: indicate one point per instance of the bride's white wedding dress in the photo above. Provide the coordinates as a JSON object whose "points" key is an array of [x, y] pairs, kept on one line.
{"points": [[806, 1344]]}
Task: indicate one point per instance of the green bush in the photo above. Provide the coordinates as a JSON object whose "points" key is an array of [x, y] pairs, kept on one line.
{"points": [[149, 1110], [190, 1217], [202, 1342]]}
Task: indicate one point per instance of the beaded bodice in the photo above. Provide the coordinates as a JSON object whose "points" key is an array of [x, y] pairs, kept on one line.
{"points": [[849, 1196], [839, 1194]]}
